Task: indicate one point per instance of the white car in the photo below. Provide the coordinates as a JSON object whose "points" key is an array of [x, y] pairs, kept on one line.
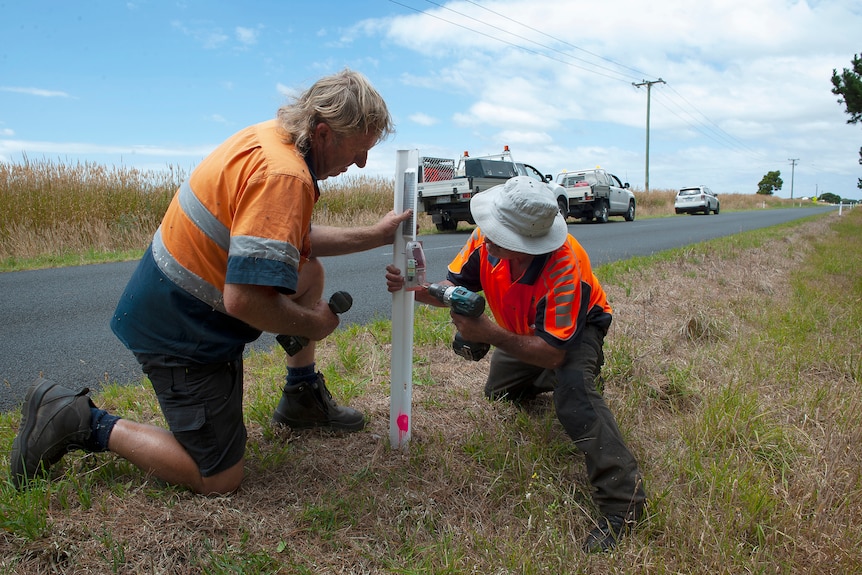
{"points": [[696, 199], [594, 194]]}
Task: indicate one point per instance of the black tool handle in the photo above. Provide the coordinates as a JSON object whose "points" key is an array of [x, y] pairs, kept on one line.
{"points": [[339, 302]]}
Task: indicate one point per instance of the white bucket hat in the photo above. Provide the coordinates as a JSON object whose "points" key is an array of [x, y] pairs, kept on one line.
{"points": [[521, 215]]}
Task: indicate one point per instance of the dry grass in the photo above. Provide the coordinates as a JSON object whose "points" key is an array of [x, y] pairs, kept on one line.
{"points": [[733, 368], [61, 214], [52, 209], [747, 443]]}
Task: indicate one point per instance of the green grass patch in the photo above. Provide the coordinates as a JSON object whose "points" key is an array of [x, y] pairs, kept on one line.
{"points": [[745, 418]]}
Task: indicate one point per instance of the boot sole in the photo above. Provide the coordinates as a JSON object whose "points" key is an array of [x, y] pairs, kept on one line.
{"points": [[28, 411], [294, 424]]}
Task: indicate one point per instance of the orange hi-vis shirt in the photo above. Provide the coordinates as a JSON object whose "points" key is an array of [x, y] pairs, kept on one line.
{"points": [[248, 203], [242, 217], [553, 299]]}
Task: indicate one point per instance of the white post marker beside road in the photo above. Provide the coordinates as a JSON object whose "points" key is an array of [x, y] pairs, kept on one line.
{"points": [[401, 374]]}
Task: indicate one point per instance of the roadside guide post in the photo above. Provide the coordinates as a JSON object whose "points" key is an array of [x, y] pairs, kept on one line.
{"points": [[401, 374]]}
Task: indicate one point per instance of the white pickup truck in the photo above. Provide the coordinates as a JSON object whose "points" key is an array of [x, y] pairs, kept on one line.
{"points": [[444, 188], [594, 194]]}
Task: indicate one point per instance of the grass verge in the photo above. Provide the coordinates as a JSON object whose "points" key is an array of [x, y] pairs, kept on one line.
{"points": [[733, 367]]}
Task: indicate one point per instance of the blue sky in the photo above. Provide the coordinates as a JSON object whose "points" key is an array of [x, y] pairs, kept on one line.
{"points": [[153, 84]]}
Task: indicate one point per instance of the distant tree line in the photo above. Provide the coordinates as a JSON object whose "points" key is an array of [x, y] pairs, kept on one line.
{"points": [[848, 86]]}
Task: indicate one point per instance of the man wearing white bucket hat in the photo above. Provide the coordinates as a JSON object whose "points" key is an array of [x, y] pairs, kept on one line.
{"points": [[551, 316]]}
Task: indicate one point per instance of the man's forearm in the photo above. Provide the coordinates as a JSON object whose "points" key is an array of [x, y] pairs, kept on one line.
{"points": [[335, 241], [530, 349]]}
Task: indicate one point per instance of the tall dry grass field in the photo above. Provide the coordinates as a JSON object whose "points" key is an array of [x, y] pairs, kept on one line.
{"points": [[59, 214], [55, 209]]}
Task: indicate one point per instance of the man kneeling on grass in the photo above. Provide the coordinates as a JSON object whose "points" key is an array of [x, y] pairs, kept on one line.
{"points": [[236, 255], [551, 319]]}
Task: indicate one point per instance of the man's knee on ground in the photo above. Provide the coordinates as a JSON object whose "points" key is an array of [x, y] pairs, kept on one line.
{"points": [[493, 393], [225, 482]]}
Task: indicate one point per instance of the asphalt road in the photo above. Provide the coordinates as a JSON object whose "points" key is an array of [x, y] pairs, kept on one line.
{"points": [[54, 322]]}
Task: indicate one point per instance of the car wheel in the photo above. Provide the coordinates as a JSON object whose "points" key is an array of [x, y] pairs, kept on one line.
{"points": [[602, 212], [716, 209], [630, 214], [447, 225], [564, 207]]}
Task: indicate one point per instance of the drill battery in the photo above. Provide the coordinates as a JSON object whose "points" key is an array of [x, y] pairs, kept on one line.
{"points": [[471, 350], [463, 302]]}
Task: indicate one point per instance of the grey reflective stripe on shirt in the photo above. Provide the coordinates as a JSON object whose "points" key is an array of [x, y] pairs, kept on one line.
{"points": [[182, 277], [264, 248], [205, 221]]}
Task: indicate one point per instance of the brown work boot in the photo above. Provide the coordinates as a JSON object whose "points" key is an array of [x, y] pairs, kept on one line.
{"points": [[55, 420], [311, 405]]}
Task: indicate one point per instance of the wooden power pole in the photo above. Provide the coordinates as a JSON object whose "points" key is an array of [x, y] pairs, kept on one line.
{"points": [[648, 85]]}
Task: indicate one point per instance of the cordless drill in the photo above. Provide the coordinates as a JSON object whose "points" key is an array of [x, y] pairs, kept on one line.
{"points": [[463, 302], [339, 303]]}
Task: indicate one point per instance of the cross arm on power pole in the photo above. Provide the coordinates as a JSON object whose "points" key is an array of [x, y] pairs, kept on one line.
{"points": [[648, 84]]}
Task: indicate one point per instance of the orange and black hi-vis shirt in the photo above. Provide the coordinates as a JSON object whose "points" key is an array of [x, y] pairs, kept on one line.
{"points": [[243, 217], [553, 299]]}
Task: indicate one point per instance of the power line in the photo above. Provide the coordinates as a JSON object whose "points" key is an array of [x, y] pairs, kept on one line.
{"points": [[619, 76], [718, 136], [721, 132], [561, 41], [705, 126]]}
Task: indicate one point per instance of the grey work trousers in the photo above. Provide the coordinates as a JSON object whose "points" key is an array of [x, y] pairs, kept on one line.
{"points": [[612, 469]]}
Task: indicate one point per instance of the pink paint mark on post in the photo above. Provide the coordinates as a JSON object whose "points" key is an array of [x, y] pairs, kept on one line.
{"points": [[403, 422]]}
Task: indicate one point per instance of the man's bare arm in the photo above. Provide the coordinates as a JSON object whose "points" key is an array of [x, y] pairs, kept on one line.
{"points": [[336, 241]]}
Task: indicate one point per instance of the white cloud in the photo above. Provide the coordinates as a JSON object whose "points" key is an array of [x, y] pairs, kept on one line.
{"points": [[207, 36], [287, 91], [9, 148], [423, 119], [747, 81], [246, 36], [42, 93]]}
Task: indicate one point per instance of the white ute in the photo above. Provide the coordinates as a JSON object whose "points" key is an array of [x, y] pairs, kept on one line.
{"points": [[444, 188], [594, 195]]}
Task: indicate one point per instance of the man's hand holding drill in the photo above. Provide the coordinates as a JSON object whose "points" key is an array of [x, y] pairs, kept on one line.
{"points": [[473, 328], [466, 309]]}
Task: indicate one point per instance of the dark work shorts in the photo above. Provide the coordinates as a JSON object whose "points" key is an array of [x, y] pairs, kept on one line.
{"points": [[203, 407]]}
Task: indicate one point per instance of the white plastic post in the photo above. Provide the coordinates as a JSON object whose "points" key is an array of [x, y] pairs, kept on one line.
{"points": [[401, 375]]}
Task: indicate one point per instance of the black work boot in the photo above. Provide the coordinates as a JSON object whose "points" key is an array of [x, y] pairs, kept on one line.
{"points": [[311, 405], [55, 420], [608, 532]]}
